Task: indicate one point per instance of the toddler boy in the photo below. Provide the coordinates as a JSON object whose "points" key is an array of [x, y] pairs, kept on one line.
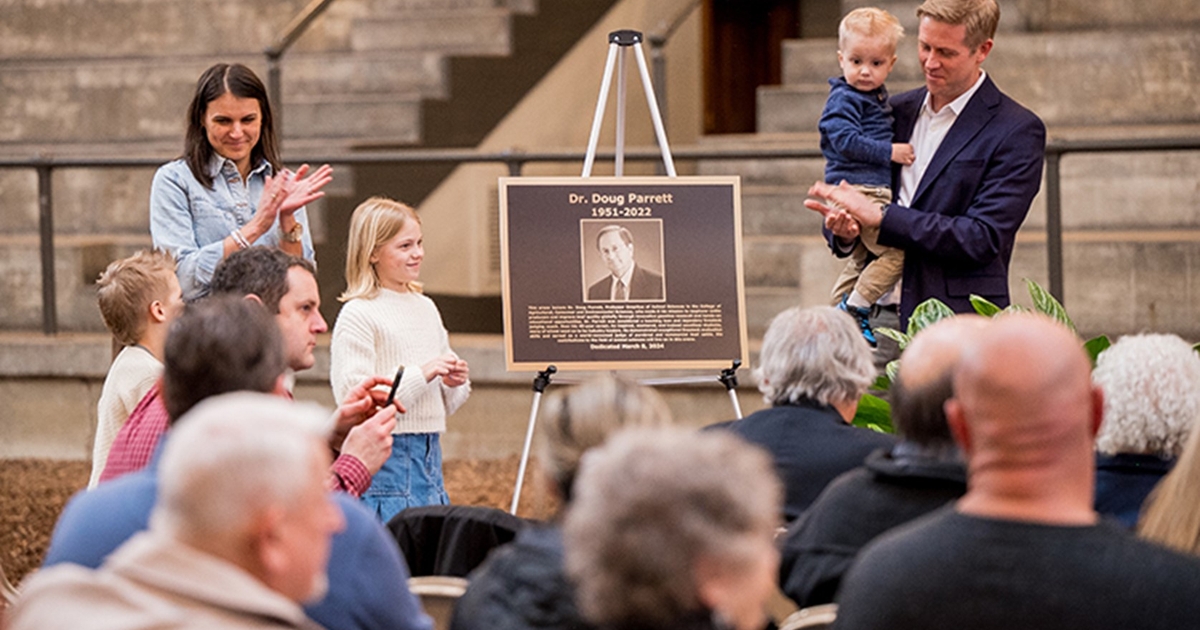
{"points": [[856, 139]]}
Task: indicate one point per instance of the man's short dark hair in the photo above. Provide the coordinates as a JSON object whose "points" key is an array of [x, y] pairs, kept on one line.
{"points": [[919, 414], [222, 343], [262, 271]]}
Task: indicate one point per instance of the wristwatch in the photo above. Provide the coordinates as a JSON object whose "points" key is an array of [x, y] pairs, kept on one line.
{"points": [[293, 235]]}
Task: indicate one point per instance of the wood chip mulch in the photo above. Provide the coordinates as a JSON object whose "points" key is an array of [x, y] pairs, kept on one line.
{"points": [[33, 492]]}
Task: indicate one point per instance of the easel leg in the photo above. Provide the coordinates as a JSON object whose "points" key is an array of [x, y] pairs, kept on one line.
{"points": [[539, 386]]}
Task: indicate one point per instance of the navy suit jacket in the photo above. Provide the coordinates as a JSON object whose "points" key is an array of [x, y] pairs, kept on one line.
{"points": [[958, 232], [643, 285]]}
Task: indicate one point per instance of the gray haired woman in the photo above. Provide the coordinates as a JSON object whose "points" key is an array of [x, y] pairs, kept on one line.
{"points": [[813, 368], [522, 585], [673, 529]]}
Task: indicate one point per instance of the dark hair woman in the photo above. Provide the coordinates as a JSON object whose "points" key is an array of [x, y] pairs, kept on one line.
{"points": [[229, 191]]}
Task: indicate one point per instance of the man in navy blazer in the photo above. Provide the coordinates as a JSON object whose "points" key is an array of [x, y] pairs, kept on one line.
{"points": [[978, 166]]}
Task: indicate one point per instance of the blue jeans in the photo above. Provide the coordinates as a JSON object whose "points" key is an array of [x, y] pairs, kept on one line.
{"points": [[411, 477]]}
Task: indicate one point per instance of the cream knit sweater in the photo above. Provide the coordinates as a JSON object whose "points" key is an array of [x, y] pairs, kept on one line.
{"points": [[131, 375], [373, 337]]}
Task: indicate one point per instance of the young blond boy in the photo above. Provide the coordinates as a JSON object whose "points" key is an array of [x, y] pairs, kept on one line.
{"points": [[856, 139], [138, 297]]}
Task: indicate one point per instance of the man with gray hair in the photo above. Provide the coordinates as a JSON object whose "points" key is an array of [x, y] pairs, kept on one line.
{"points": [[921, 473], [222, 344], [223, 550], [813, 368]]}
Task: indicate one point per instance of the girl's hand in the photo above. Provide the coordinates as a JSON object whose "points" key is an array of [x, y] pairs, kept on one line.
{"points": [[459, 375], [449, 367]]}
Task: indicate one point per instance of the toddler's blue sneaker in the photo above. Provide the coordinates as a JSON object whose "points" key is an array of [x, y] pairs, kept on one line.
{"points": [[862, 316]]}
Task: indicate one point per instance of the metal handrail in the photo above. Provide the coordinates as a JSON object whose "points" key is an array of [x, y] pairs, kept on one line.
{"points": [[274, 53], [516, 159]]}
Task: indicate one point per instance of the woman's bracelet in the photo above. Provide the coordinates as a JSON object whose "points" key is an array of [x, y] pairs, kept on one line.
{"points": [[239, 239]]}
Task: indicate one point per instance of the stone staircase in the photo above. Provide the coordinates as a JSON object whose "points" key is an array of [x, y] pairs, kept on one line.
{"points": [[1090, 70], [114, 77]]}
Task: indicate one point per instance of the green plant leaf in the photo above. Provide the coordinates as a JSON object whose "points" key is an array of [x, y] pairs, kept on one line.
{"points": [[926, 313], [1015, 308], [983, 306], [874, 413], [892, 369], [1095, 346], [900, 338], [882, 383], [1046, 304]]}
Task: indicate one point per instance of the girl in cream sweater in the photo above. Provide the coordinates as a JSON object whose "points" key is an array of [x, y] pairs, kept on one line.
{"points": [[386, 323]]}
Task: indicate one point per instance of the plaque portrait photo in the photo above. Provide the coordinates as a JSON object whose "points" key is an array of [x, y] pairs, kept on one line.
{"points": [[622, 261]]}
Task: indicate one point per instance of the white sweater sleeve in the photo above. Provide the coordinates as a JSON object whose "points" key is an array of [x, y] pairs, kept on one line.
{"points": [[352, 355]]}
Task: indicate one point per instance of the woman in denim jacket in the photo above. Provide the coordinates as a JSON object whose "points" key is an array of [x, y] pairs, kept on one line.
{"points": [[228, 191]]}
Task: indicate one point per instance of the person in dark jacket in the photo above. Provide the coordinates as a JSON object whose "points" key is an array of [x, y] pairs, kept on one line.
{"points": [[918, 475], [522, 585], [813, 368]]}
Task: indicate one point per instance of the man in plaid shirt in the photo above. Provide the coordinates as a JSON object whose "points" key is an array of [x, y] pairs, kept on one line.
{"points": [[287, 287]]}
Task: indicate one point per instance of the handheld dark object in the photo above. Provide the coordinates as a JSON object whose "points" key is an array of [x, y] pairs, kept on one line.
{"points": [[395, 385]]}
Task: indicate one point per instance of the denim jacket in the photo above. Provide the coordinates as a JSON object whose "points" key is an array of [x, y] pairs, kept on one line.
{"points": [[191, 221]]}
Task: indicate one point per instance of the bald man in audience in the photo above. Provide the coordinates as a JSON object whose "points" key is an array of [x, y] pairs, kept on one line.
{"points": [[1023, 548], [920, 474], [223, 551]]}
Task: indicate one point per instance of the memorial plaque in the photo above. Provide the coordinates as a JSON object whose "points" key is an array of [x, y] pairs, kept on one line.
{"points": [[622, 273]]}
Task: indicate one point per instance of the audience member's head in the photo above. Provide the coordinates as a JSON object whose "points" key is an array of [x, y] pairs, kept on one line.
{"points": [[1025, 413], [374, 222], [671, 526], [242, 479], [220, 344], [136, 291], [1171, 515], [287, 286], [1151, 387], [814, 354], [583, 417], [925, 379]]}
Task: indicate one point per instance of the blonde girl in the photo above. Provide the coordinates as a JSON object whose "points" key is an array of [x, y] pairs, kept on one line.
{"points": [[386, 322]]}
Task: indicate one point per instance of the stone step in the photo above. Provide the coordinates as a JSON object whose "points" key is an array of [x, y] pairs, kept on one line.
{"points": [[182, 28], [1114, 282], [483, 31], [1114, 78], [1062, 15], [1013, 15], [1151, 190], [333, 96], [376, 118], [66, 29], [51, 385], [516, 6]]}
